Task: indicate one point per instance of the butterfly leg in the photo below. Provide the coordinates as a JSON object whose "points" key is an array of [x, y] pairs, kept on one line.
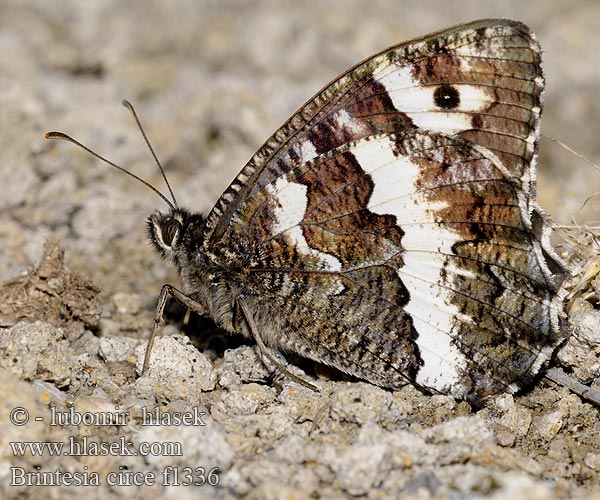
{"points": [[263, 348], [165, 292]]}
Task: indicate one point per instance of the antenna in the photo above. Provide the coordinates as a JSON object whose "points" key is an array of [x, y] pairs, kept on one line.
{"points": [[129, 106], [65, 137]]}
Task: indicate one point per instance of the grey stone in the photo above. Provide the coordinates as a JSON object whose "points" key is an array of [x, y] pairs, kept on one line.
{"points": [[177, 370], [36, 350], [547, 426], [116, 348], [582, 350]]}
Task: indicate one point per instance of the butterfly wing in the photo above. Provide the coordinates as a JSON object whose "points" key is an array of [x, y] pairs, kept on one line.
{"points": [[391, 223], [482, 81]]}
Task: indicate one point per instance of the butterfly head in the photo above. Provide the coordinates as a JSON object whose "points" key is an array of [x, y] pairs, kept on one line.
{"points": [[175, 232]]}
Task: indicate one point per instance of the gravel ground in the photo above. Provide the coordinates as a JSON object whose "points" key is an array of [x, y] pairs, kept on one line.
{"points": [[211, 81]]}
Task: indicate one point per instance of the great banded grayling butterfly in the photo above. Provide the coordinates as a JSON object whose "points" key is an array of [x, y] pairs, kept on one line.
{"points": [[389, 228]]}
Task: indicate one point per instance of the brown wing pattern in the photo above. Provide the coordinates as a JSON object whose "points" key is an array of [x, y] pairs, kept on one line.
{"points": [[500, 57], [391, 223]]}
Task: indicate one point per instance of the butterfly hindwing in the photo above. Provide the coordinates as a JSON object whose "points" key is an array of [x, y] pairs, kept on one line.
{"points": [[390, 227]]}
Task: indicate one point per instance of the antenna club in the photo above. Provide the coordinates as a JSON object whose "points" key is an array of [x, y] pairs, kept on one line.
{"points": [[65, 137], [54, 135]]}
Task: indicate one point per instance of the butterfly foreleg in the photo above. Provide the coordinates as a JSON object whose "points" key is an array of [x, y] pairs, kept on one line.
{"points": [[166, 292]]}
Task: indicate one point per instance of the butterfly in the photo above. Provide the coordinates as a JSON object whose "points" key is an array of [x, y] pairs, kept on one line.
{"points": [[389, 228]]}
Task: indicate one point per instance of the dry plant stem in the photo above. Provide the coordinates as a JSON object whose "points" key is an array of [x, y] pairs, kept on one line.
{"points": [[559, 377]]}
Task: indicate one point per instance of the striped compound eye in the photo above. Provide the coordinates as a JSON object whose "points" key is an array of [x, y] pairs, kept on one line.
{"points": [[169, 230]]}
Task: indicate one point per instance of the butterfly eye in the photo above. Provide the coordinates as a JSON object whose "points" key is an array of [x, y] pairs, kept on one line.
{"points": [[169, 230]]}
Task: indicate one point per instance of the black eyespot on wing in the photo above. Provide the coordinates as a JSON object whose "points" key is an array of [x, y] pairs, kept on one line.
{"points": [[446, 97], [169, 230]]}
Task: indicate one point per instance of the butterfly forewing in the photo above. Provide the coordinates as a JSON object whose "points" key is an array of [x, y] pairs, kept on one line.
{"points": [[496, 61], [390, 224]]}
